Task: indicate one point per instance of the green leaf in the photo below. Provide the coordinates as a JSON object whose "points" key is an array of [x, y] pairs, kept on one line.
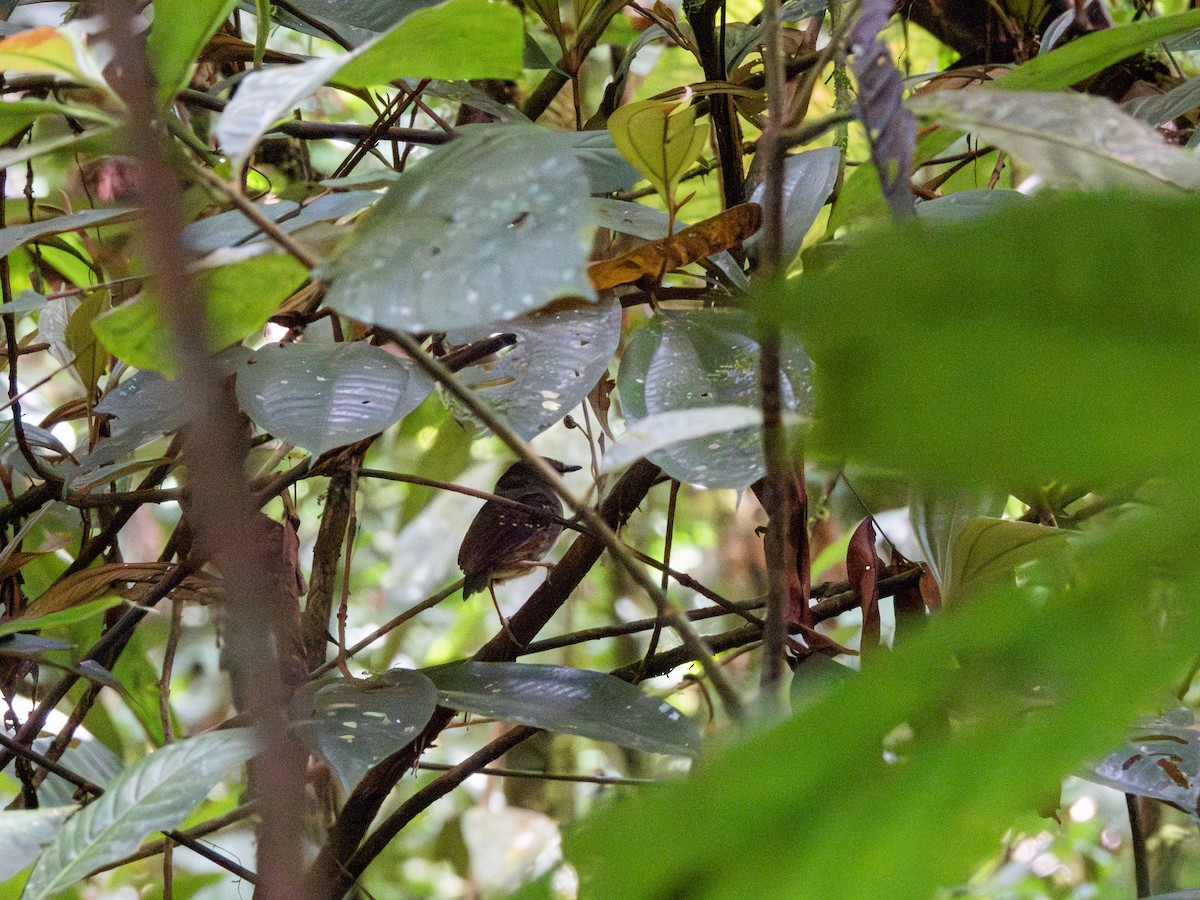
{"points": [[959, 686], [51, 51], [23, 833], [17, 115], [938, 391], [560, 355], [1157, 109], [354, 727], [1087, 55], [62, 618], [240, 297], [455, 41], [938, 517], [1071, 139], [987, 549], [569, 701], [155, 794], [13, 237], [178, 33], [661, 139], [320, 396], [704, 360], [493, 225]]}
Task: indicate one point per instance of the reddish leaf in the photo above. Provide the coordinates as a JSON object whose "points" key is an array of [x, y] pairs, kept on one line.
{"points": [[930, 591], [683, 248], [862, 567], [910, 608]]}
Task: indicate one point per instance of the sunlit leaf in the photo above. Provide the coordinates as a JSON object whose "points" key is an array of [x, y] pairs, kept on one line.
{"points": [[455, 41], [1088, 54], [569, 701], [491, 226], [319, 396], [178, 33], [17, 115], [353, 727], [723, 231], [152, 795], [661, 430], [51, 51], [240, 298], [660, 138], [560, 354], [1071, 139], [993, 548]]}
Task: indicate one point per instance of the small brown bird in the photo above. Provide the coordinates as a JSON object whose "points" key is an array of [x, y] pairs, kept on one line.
{"points": [[506, 542]]}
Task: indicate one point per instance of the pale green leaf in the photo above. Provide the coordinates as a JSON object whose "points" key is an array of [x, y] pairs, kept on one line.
{"points": [[660, 138], [23, 833], [155, 794]]}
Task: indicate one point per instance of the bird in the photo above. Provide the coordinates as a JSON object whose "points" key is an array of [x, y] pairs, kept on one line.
{"points": [[505, 541]]}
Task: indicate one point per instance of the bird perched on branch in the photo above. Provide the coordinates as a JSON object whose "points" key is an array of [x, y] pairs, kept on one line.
{"points": [[506, 541]]}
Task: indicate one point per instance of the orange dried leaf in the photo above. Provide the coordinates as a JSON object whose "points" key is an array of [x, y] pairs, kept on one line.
{"points": [[690, 245]]}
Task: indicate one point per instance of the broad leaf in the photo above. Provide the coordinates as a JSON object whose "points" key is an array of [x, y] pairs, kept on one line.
{"points": [[1087, 55], [353, 727], [23, 833], [14, 236], [988, 549], [661, 430], [155, 794], [51, 51], [1117, 352], [455, 41], [1071, 139], [178, 33], [240, 297], [970, 204], [1156, 110], [1160, 759], [704, 360], [370, 15], [493, 225], [808, 180], [661, 139], [937, 519], [17, 115], [560, 354], [320, 396], [569, 701]]}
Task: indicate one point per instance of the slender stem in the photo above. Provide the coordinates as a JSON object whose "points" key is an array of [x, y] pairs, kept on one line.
{"points": [[598, 527], [1141, 867]]}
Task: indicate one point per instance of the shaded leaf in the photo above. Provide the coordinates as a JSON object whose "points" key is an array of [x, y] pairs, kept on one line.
{"points": [[23, 833], [970, 204], [661, 430], [725, 230], [1126, 421], [561, 353], [569, 701], [154, 794], [1160, 759], [993, 548], [230, 227], [240, 297], [320, 396], [939, 516], [815, 677], [703, 360], [1156, 110], [353, 727], [14, 236], [862, 569], [491, 226], [661, 139], [1071, 139], [891, 128], [90, 584], [17, 115], [808, 180], [369, 15]]}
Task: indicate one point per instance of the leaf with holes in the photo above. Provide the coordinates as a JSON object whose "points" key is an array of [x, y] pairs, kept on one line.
{"points": [[561, 352], [155, 794], [321, 396], [491, 226], [701, 360], [355, 726], [568, 701], [1161, 759]]}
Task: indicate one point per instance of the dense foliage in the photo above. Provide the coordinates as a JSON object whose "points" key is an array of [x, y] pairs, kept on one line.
{"points": [[858, 343]]}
